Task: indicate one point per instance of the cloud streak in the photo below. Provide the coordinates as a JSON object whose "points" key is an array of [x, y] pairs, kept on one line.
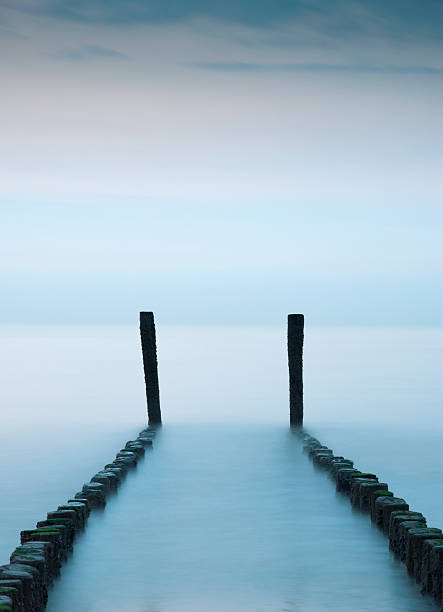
{"points": [[5, 32], [89, 52], [339, 18], [313, 67]]}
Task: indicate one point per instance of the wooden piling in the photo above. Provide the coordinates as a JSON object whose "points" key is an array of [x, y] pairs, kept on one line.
{"points": [[295, 360], [149, 350]]}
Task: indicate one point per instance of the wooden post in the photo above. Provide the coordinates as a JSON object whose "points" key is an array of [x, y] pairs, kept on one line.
{"points": [[295, 360], [149, 350]]}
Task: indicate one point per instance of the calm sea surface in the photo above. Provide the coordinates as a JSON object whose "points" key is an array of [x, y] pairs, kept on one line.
{"points": [[225, 513]]}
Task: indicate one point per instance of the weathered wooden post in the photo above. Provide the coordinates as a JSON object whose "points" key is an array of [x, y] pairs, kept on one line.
{"points": [[295, 360], [149, 349]]}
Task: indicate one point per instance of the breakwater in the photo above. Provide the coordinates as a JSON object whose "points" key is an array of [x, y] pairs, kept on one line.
{"points": [[252, 486], [417, 545], [34, 564], [37, 561]]}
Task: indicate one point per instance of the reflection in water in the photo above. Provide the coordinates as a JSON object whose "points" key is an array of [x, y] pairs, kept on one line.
{"points": [[220, 518]]}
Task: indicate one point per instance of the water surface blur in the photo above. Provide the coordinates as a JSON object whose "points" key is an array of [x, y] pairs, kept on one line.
{"points": [[226, 514], [232, 518]]}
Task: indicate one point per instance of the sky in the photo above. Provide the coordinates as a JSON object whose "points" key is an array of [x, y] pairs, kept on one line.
{"points": [[221, 162]]}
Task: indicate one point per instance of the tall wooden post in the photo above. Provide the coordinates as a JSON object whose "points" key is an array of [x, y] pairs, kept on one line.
{"points": [[149, 350], [296, 324]]}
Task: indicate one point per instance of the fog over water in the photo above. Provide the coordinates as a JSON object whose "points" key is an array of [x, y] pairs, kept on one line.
{"points": [[221, 163], [225, 513]]}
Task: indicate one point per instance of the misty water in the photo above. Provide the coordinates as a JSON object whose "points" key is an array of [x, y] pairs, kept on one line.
{"points": [[225, 513]]}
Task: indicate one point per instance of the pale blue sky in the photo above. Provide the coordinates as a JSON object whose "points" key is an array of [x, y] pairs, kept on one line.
{"points": [[221, 162]]}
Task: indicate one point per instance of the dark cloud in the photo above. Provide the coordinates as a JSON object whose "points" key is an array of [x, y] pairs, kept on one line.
{"points": [[341, 18], [378, 69], [89, 52]]}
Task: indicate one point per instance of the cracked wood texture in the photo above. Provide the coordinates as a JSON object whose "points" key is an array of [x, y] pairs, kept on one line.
{"points": [[149, 350], [296, 324]]}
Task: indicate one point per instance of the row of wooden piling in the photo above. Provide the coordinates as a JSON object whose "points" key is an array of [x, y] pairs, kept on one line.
{"points": [[419, 547], [37, 561]]}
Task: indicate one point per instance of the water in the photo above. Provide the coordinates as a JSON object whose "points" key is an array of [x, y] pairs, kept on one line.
{"points": [[225, 513]]}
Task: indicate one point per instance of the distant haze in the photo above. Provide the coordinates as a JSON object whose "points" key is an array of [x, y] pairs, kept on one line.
{"points": [[221, 162]]}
